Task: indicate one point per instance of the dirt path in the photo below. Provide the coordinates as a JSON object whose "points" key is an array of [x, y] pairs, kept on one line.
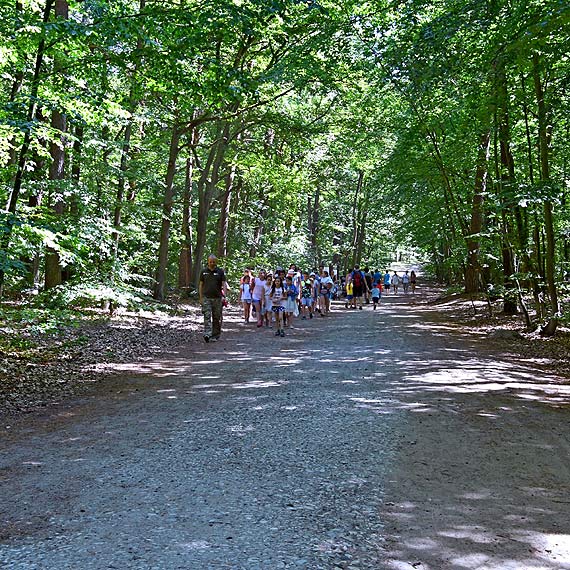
{"points": [[365, 440]]}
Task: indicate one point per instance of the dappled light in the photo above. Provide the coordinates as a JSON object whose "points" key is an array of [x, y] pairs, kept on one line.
{"points": [[412, 431]]}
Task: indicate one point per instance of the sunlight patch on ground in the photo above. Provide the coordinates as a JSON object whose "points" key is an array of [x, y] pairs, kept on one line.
{"points": [[549, 547], [472, 534]]}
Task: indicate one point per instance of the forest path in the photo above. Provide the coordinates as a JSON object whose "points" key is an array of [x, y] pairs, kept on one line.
{"points": [[363, 440]]}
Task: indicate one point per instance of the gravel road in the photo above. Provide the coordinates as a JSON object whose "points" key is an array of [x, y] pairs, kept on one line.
{"points": [[383, 439]]}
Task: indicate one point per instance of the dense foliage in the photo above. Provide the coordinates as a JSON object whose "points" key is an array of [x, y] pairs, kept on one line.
{"points": [[137, 136]]}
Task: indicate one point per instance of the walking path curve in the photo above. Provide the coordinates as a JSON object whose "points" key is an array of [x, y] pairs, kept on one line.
{"points": [[384, 439]]}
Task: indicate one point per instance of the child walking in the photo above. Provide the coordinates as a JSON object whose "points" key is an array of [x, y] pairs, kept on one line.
{"points": [[350, 304], [277, 297], [291, 300], [376, 294], [307, 296], [267, 304], [246, 298]]}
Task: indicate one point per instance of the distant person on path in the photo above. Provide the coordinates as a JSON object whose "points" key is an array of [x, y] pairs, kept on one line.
{"points": [[307, 296], [368, 278], [376, 293], [325, 293], [377, 276], [358, 285], [413, 280], [387, 281], [257, 287], [349, 295], [290, 300], [277, 297], [406, 282], [267, 312], [212, 287], [395, 282], [245, 297]]}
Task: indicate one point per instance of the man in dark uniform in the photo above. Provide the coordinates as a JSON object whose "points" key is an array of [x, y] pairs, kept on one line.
{"points": [[213, 286]]}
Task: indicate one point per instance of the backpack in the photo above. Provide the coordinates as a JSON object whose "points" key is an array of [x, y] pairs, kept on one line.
{"points": [[357, 279]]}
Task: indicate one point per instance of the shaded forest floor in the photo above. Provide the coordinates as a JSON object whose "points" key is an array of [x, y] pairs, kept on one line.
{"points": [[45, 369]]}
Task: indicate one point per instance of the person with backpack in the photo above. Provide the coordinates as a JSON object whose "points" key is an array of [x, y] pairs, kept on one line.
{"points": [[358, 285]]}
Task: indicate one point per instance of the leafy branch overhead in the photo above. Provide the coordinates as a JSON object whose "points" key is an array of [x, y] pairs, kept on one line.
{"points": [[137, 136]]}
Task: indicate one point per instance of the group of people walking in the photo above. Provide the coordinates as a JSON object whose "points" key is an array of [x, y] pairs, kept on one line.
{"points": [[276, 298]]}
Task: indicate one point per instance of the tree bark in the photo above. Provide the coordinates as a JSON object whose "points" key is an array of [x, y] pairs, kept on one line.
{"points": [[363, 213], [12, 204], [125, 156], [161, 271], [356, 217], [206, 186], [472, 271], [185, 257], [53, 269], [224, 221], [544, 137], [313, 207], [507, 179]]}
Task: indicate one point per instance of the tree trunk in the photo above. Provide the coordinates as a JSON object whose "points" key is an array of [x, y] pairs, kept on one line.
{"points": [[356, 216], [207, 184], [14, 91], [76, 169], [125, 156], [544, 137], [54, 276], [363, 213], [472, 271], [185, 257], [224, 221], [161, 272], [12, 205], [313, 207], [507, 179]]}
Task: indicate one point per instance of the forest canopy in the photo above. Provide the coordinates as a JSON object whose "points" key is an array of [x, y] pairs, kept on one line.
{"points": [[136, 137]]}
